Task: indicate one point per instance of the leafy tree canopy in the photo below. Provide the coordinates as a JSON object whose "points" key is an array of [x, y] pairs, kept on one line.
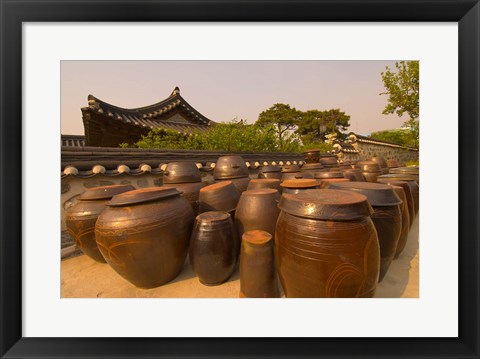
{"points": [[402, 88], [404, 137], [282, 117], [315, 124]]}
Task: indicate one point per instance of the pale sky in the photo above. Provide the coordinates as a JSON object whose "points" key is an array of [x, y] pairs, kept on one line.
{"points": [[224, 90]]}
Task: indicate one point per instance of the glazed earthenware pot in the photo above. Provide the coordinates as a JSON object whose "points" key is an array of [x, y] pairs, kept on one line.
{"points": [[382, 162], [402, 240], [228, 167], [370, 170], [264, 183], [408, 195], [311, 168], [258, 276], [221, 196], [241, 184], [325, 183], [353, 174], [212, 251], [297, 185], [312, 156], [270, 172], [387, 216], [144, 235], [257, 209], [412, 183], [80, 218], [326, 245], [329, 161], [181, 172], [190, 191]]}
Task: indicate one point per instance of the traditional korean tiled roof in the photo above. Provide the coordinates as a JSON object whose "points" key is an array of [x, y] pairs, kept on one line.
{"points": [[353, 137], [138, 121], [91, 161], [344, 147]]}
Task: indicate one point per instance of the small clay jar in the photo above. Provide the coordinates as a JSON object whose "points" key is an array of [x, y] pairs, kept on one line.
{"points": [[228, 167], [329, 161], [325, 183], [263, 183], [257, 209], [382, 163], [312, 156], [353, 174], [222, 196], [274, 172], [386, 216], [370, 170], [294, 186], [311, 168], [402, 241], [326, 245], [212, 248], [80, 218], [258, 276], [181, 172], [144, 235]]}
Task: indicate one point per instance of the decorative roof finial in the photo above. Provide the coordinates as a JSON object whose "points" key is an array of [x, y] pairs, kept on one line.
{"points": [[176, 91]]}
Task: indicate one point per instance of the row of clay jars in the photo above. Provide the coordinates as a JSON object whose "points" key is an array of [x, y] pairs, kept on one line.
{"points": [[144, 235], [386, 216], [328, 248], [412, 183]]}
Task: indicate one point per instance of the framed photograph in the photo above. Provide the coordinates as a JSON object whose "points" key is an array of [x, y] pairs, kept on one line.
{"points": [[36, 38]]}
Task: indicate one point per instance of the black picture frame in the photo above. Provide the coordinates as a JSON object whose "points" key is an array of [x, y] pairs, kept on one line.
{"points": [[13, 13]]}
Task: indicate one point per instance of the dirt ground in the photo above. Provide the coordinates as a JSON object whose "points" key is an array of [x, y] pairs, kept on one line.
{"points": [[82, 277]]}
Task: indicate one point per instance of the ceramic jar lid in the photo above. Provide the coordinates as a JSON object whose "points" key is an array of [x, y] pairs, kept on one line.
{"points": [[257, 237], [142, 195], [378, 194], [181, 172], [104, 192], [212, 217], [228, 167], [326, 204], [330, 174], [299, 183]]}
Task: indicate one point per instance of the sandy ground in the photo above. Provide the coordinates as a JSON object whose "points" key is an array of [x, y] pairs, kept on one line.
{"points": [[81, 277]]}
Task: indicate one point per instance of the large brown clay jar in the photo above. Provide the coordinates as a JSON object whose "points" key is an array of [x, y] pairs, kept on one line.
{"points": [[181, 172], [228, 167], [402, 240], [212, 248], [241, 184], [370, 170], [311, 168], [144, 235], [353, 174], [80, 219], [382, 162], [326, 245], [257, 209], [312, 156], [386, 216], [258, 276]]}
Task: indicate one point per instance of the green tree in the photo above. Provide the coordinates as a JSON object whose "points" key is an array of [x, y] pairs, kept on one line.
{"points": [[283, 118], [404, 137], [315, 124], [402, 88]]}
